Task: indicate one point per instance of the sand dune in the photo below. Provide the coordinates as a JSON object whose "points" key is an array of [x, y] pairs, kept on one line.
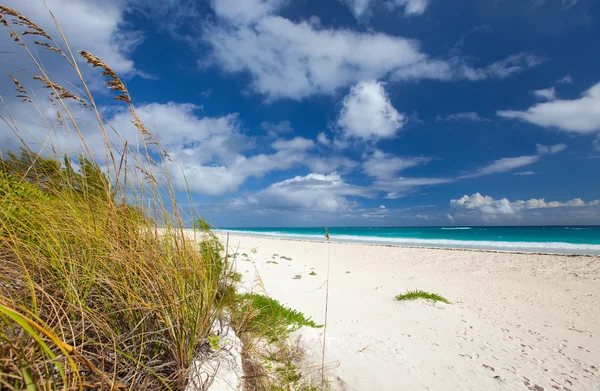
{"points": [[516, 321]]}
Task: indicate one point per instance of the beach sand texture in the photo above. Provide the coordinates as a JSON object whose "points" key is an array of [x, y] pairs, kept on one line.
{"points": [[516, 322]]}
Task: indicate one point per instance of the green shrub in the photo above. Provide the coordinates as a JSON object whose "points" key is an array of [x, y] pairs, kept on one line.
{"points": [[266, 316]]}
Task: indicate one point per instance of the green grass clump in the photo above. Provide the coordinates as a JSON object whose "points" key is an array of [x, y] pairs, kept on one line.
{"points": [[419, 294], [265, 316], [297, 277], [286, 258], [312, 273]]}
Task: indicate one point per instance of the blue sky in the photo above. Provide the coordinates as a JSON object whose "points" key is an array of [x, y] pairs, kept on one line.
{"points": [[357, 112]]}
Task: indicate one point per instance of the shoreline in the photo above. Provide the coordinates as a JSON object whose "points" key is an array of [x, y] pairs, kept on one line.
{"points": [[250, 235]]}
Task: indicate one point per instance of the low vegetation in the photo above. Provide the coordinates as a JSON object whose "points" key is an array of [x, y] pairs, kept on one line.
{"points": [[266, 316], [101, 287], [270, 359], [419, 294]]}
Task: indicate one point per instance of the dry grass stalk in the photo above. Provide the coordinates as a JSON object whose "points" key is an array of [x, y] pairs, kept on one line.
{"points": [[115, 83], [21, 91]]}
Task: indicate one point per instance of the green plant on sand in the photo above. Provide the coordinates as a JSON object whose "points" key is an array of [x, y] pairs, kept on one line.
{"points": [[266, 316], [419, 294]]}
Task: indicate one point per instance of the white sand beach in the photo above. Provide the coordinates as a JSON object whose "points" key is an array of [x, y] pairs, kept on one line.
{"points": [[516, 322]]}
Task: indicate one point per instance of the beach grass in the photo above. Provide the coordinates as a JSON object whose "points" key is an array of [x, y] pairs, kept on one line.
{"points": [[419, 294], [100, 287]]}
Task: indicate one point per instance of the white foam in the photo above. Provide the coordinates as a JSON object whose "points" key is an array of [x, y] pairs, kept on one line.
{"points": [[545, 247]]}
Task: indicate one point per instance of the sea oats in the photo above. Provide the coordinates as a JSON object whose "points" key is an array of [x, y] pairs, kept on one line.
{"points": [[115, 83], [49, 47], [21, 20], [21, 92]]}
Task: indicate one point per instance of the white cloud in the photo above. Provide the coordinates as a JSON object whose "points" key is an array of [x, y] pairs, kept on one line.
{"points": [[367, 113], [502, 69], [323, 139], [580, 115], [329, 164], [567, 79], [89, 25], [295, 144], [211, 155], [313, 192], [525, 173], [491, 206], [466, 116], [546, 93], [361, 8], [295, 60], [385, 166], [246, 11], [503, 165], [411, 7], [274, 129], [458, 69], [550, 149]]}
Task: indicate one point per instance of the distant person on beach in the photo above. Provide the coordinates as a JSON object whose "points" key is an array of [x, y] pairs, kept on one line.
{"points": [[326, 234]]}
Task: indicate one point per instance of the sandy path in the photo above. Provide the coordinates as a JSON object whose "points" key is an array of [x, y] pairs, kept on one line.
{"points": [[517, 321]]}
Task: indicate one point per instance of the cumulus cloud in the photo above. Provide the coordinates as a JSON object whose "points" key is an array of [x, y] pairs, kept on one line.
{"points": [[546, 93], [385, 166], [367, 113], [313, 192], [489, 205], [212, 155], [296, 59], [581, 115]]}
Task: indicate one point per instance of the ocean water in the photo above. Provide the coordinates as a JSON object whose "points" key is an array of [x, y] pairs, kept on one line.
{"points": [[551, 239]]}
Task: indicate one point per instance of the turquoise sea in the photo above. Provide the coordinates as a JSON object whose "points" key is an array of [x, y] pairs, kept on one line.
{"points": [[552, 239]]}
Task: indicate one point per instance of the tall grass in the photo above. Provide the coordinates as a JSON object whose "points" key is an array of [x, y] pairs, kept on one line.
{"points": [[99, 286]]}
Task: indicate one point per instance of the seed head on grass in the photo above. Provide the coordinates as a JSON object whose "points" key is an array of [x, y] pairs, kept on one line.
{"points": [[419, 294]]}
